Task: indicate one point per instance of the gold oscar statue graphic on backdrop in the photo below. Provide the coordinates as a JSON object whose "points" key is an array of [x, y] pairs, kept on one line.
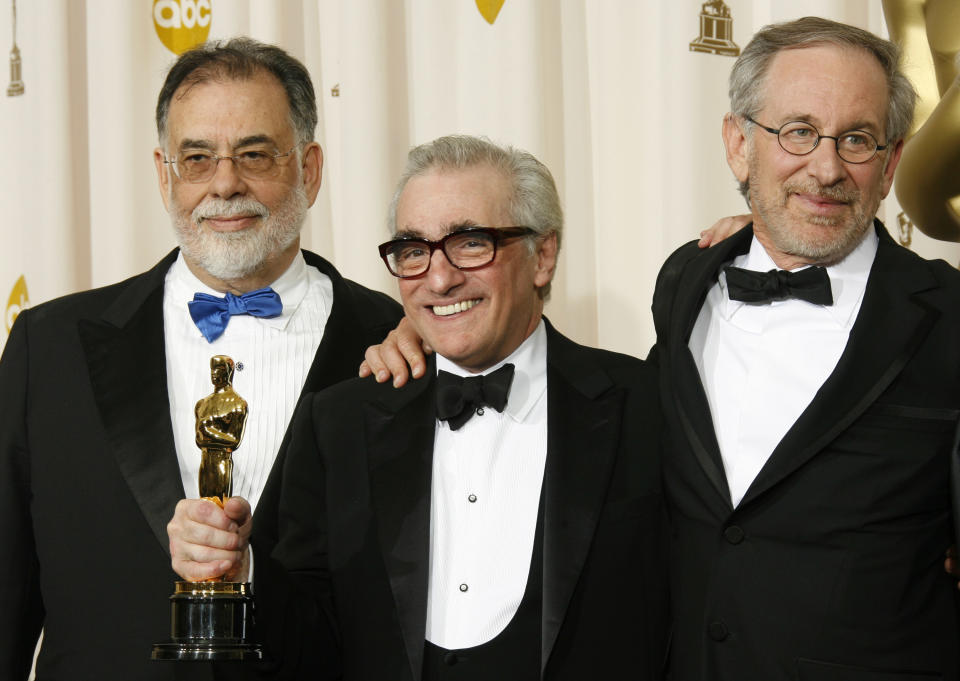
{"points": [[716, 30], [18, 301], [927, 180], [212, 620], [16, 78], [489, 9]]}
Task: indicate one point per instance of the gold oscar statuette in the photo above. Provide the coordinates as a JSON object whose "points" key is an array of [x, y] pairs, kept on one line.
{"points": [[212, 620], [927, 181]]}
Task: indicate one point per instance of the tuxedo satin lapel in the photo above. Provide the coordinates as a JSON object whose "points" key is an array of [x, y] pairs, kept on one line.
{"points": [[699, 274], [343, 336], [582, 437], [697, 423], [400, 435], [890, 327], [128, 372]]}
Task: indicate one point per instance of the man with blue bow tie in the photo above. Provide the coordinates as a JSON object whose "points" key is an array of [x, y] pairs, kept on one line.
{"points": [[97, 389]]}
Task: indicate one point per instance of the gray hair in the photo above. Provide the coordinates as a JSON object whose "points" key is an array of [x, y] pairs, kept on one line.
{"points": [[241, 59], [534, 201], [748, 77]]}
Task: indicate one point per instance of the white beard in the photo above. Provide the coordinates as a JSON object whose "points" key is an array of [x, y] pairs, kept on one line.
{"points": [[236, 255]]}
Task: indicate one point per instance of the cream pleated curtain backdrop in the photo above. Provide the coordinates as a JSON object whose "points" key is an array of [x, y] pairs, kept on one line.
{"points": [[606, 92]]}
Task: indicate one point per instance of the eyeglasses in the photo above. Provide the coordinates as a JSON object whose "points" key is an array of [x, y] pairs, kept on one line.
{"points": [[466, 249], [198, 165], [800, 138]]}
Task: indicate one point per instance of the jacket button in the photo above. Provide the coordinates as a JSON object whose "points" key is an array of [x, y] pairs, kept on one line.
{"points": [[733, 534], [718, 631]]}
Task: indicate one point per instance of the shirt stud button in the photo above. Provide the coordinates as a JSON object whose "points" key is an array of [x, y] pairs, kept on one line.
{"points": [[464, 587], [472, 498]]}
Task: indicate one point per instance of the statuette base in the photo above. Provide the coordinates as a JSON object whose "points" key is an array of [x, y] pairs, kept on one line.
{"points": [[209, 621]]}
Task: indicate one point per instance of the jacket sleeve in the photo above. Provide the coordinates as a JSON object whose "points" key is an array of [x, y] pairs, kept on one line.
{"points": [[295, 618], [21, 606]]}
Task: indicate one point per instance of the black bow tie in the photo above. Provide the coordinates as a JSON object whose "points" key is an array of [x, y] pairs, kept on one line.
{"points": [[811, 284], [459, 397]]}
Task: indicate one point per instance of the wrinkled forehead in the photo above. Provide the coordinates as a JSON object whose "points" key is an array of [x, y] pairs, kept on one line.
{"points": [[827, 85], [442, 200], [219, 112]]}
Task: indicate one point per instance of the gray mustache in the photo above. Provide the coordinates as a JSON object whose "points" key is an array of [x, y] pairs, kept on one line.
{"points": [[832, 193], [221, 208]]}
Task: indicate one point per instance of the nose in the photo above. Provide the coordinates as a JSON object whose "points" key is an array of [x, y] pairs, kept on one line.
{"points": [[824, 163], [442, 277], [226, 181]]}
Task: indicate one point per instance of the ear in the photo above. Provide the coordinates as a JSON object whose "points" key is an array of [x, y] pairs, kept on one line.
{"points": [[546, 256], [163, 176], [312, 171], [892, 160], [737, 145]]}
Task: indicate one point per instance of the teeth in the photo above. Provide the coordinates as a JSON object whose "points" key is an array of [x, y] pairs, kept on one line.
{"points": [[462, 306]]}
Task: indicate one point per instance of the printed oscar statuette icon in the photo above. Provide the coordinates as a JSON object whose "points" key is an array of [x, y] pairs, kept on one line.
{"points": [[212, 620]]}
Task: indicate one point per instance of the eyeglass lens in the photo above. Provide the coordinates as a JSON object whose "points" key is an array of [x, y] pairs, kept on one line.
{"points": [[200, 166], [854, 146], [410, 257]]}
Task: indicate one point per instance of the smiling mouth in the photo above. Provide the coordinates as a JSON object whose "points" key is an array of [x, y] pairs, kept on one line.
{"points": [[446, 310], [819, 200]]}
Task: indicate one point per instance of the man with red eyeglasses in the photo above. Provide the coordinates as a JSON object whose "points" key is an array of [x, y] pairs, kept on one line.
{"points": [[501, 518]]}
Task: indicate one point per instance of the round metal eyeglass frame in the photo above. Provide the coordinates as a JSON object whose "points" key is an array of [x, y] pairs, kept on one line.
{"points": [[497, 236], [877, 147], [245, 164]]}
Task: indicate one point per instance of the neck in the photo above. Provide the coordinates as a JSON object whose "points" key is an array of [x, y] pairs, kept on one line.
{"points": [[270, 269]]}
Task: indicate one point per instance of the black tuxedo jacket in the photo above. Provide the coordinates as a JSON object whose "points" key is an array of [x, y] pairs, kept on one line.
{"points": [[89, 476], [831, 566], [355, 518]]}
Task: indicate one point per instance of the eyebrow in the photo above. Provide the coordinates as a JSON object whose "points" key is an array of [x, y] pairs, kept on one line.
{"points": [[457, 226], [863, 125], [209, 145]]}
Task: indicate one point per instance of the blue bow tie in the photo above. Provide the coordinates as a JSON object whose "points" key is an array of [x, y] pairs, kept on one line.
{"points": [[211, 313]]}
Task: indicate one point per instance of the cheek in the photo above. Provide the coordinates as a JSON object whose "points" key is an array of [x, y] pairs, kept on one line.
{"points": [[184, 198], [407, 290], [873, 182], [272, 194]]}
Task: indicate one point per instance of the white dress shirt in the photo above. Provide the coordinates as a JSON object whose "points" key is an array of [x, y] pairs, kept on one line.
{"points": [[272, 358], [484, 501], [762, 363]]}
